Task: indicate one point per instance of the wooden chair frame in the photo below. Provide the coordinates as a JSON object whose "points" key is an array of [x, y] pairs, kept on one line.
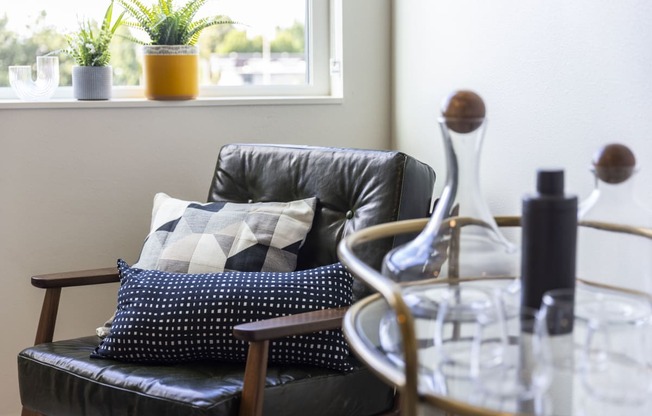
{"points": [[257, 334]]}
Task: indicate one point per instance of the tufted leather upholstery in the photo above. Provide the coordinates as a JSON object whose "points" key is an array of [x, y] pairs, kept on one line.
{"points": [[356, 189]]}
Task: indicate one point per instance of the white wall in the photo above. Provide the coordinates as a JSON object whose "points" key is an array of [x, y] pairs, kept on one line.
{"points": [[559, 78], [77, 185]]}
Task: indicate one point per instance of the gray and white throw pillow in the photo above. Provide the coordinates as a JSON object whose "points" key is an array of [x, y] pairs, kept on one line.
{"points": [[193, 237]]}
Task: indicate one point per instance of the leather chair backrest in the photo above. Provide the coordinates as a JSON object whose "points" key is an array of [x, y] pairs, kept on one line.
{"points": [[355, 189]]}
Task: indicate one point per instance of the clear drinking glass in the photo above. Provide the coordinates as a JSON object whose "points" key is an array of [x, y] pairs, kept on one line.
{"points": [[510, 362], [423, 306], [447, 319], [564, 336], [618, 350], [462, 311], [436, 309], [599, 344]]}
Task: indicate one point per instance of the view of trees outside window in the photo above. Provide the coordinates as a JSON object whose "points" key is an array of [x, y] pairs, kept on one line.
{"points": [[267, 48]]}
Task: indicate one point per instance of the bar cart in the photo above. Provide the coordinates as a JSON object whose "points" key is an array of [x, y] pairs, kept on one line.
{"points": [[422, 388]]}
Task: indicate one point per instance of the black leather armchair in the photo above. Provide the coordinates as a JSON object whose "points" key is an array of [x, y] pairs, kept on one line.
{"points": [[356, 189]]}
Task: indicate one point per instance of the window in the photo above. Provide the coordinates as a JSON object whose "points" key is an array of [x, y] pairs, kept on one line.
{"points": [[282, 47]]}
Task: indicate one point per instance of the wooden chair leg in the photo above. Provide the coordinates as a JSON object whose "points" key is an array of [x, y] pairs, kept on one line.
{"points": [[48, 318], [45, 330], [254, 380], [27, 412]]}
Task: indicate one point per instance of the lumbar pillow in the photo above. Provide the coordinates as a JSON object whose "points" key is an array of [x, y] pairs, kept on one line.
{"points": [[193, 237], [167, 317]]}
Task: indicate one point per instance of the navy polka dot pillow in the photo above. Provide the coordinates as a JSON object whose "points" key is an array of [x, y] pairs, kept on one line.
{"points": [[167, 317]]}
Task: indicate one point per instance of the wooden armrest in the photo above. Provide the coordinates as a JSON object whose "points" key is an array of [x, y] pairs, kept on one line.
{"points": [[78, 278], [259, 333], [52, 283], [302, 323]]}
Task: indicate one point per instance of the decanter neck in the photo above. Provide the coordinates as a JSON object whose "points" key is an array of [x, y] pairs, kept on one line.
{"points": [[624, 190], [615, 203], [466, 151], [619, 194], [462, 195]]}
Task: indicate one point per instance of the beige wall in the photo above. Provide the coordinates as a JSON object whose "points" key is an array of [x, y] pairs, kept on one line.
{"points": [[77, 184], [560, 79]]}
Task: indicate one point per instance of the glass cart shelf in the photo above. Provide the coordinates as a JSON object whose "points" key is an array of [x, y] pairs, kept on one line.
{"points": [[411, 375]]}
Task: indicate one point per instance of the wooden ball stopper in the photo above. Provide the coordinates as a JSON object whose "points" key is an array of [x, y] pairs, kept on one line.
{"points": [[464, 111], [614, 163]]}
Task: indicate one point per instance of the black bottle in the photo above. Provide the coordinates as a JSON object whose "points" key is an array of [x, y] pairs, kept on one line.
{"points": [[549, 239]]}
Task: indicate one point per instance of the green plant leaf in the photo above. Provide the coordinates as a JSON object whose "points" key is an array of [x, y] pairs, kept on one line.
{"points": [[89, 46], [166, 25]]}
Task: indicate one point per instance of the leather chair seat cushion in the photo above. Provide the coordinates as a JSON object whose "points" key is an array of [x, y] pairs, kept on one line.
{"points": [[60, 377]]}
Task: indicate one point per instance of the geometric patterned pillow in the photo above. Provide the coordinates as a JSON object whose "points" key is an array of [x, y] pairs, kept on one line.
{"points": [[193, 237], [167, 317]]}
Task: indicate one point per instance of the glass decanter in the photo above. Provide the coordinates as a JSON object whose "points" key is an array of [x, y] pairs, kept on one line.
{"points": [[462, 238], [606, 256]]}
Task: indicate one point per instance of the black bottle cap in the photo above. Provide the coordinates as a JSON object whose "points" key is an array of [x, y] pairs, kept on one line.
{"points": [[550, 182]]}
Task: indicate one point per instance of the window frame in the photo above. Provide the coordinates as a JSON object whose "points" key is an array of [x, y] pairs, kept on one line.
{"points": [[324, 74]]}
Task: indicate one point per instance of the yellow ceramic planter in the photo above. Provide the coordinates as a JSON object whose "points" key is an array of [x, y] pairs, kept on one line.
{"points": [[171, 72]]}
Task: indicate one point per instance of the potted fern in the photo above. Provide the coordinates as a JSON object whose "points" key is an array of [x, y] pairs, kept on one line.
{"points": [[92, 76], [171, 59]]}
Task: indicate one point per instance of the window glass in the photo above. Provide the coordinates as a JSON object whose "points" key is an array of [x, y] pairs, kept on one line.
{"points": [[270, 46]]}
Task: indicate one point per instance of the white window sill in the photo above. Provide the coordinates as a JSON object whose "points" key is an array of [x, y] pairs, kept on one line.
{"points": [[142, 102]]}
